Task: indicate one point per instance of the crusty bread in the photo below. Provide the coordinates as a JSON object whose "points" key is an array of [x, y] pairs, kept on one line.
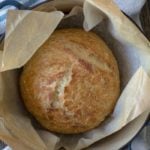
{"points": [[71, 83]]}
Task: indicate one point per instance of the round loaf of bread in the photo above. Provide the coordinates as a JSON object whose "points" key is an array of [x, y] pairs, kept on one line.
{"points": [[71, 83]]}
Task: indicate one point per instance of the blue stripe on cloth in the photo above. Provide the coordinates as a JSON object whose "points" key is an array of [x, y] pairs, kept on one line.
{"points": [[11, 3], [2, 26], [2, 17], [14, 4], [30, 3], [148, 123], [130, 147], [3, 12]]}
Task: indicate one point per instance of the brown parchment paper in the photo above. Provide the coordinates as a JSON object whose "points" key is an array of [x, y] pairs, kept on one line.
{"points": [[27, 30], [29, 41]]}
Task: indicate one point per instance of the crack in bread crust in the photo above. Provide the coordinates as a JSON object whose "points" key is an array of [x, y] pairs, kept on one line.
{"points": [[58, 98]]}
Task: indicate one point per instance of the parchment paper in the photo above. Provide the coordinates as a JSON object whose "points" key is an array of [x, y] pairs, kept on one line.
{"points": [[27, 30]]}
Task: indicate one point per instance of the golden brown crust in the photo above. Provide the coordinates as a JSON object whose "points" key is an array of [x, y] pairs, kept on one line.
{"points": [[72, 82]]}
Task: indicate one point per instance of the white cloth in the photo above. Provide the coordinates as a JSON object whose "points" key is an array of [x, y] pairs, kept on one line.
{"points": [[132, 8], [14, 4]]}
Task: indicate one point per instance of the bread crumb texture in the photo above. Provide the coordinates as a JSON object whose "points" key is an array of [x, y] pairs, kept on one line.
{"points": [[71, 83]]}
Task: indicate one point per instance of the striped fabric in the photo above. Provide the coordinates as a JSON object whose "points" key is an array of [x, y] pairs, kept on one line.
{"points": [[14, 4]]}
